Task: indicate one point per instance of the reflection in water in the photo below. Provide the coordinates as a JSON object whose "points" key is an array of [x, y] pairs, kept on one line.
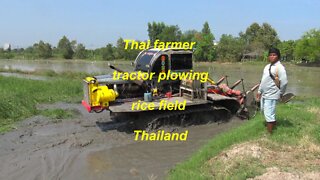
{"points": [[63, 65], [301, 79]]}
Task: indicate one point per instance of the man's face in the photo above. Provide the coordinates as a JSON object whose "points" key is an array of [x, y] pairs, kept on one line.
{"points": [[273, 57]]}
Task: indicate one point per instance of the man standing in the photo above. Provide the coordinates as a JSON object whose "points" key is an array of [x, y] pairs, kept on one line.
{"points": [[272, 87]]}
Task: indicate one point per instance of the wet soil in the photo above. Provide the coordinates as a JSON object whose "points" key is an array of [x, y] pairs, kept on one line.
{"points": [[89, 146]]}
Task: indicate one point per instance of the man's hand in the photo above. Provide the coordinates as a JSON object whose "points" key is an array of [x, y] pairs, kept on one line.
{"points": [[258, 97]]}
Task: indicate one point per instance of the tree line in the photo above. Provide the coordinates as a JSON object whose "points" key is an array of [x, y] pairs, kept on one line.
{"points": [[257, 39], [253, 42]]}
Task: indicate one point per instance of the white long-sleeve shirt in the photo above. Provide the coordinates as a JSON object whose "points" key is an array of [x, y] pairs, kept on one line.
{"points": [[267, 87]]}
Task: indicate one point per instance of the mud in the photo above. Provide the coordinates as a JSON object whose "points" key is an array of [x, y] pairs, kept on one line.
{"points": [[89, 147]]}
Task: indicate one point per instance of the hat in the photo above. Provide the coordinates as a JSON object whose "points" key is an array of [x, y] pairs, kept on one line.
{"points": [[276, 51]]}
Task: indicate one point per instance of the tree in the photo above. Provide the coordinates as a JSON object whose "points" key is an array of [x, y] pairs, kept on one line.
{"points": [[29, 53], [4, 54], [120, 51], [205, 47], [107, 52], [163, 32], [252, 33], [154, 30], [206, 29], [308, 46], [287, 49], [73, 45], [259, 38], [189, 36], [268, 36], [80, 51], [230, 48], [65, 48], [170, 34], [43, 50]]}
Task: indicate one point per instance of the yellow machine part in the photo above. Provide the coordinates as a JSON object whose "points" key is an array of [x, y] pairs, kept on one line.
{"points": [[100, 95]]}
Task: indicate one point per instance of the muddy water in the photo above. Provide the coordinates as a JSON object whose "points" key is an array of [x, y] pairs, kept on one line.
{"points": [[77, 149], [63, 65], [26, 76], [302, 80]]}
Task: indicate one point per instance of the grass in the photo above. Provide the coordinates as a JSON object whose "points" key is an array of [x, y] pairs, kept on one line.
{"points": [[297, 123], [19, 97], [240, 169], [193, 168], [58, 114]]}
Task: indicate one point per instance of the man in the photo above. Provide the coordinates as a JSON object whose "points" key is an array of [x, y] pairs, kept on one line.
{"points": [[272, 87]]}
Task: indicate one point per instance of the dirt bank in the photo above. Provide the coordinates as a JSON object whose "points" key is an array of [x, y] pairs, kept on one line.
{"points": [[263, 160], [78, 149]]}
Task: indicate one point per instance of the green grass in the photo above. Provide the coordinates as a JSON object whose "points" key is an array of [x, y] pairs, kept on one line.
{"points": [[295, 121], [19, 97], [58, 114], [193, 168]]}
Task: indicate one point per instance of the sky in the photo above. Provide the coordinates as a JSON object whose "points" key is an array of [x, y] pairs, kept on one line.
{"points": [[96, 23]]}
